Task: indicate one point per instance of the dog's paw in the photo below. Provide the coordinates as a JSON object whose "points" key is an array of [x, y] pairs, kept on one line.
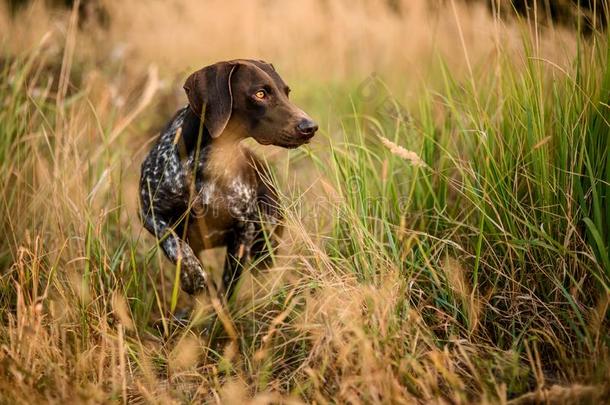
{"points": [[193, 283], [193, 280]]}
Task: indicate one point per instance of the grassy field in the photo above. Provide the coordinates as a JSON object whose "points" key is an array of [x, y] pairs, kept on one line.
{"points": [[447, 232]]}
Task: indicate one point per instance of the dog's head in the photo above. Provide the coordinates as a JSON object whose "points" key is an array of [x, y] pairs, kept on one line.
{"points": [[250, 96]]}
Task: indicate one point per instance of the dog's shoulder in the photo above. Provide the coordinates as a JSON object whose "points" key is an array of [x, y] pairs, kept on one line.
{"points": [[167, 141], [162, 173]]}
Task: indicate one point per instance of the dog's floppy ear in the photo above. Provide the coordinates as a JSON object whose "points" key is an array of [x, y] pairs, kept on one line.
{"points": [[209, 94]]}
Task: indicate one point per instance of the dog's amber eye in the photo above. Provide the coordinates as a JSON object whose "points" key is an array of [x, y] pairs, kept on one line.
{"points": [[260, 94]]}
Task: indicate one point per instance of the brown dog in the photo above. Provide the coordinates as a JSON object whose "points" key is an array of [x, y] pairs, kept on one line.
{"points": [[200, 188]]}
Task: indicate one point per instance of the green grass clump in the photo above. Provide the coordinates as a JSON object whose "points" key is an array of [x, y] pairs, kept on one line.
{"points": [[503, 230]]}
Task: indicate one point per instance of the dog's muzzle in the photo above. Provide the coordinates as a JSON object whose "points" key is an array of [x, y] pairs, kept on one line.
{"points": [[306, 129]]}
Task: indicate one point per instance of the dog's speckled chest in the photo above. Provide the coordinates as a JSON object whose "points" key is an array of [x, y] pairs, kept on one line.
{"points": [[218, 207], [218, 198]]}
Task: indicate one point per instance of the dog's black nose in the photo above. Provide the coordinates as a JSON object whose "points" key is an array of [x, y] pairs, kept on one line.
{"points": [[307, 127]]}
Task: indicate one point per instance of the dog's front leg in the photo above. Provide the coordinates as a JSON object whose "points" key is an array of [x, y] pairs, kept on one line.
{"points": [[193, 277], [239, 245]]}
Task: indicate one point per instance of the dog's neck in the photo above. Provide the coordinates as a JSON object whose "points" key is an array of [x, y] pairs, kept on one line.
{"points": [[226, 158]]}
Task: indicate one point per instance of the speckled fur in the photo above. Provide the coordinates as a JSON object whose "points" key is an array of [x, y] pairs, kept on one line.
{"points": [[177, 194]]}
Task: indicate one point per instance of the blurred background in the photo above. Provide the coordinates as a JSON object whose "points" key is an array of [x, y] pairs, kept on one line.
{"points": [[314, 39]]}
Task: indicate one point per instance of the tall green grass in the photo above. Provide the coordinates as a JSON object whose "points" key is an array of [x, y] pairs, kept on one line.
{"points": [[515, 190], [452, 248]]}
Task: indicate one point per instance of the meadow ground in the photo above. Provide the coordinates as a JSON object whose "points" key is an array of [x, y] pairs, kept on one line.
{"points": [[447, 232]]}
